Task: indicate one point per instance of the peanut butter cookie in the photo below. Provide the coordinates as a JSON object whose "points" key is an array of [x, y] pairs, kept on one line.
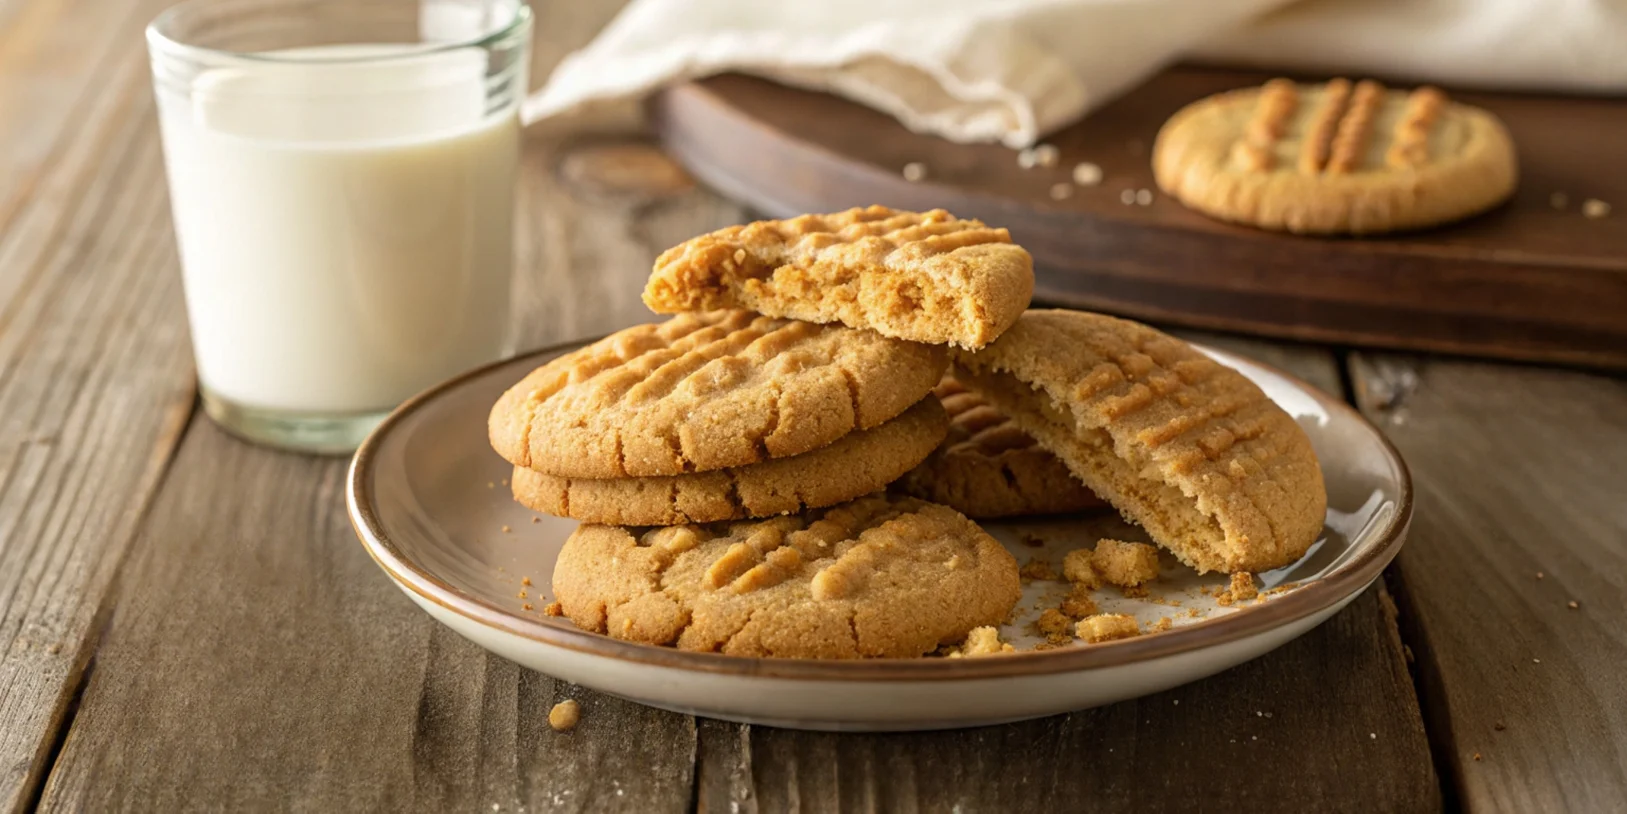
{"points": [[857, 464], [878, 576], [988, 467], [1335, 158], [1186, 447], [707, 391], [921, 276]]}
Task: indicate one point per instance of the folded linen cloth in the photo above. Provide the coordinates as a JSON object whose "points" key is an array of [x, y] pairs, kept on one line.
{"points": [[1013, 70]]}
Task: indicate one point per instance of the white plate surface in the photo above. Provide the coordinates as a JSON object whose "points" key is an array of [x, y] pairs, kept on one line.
{"points": [[429, 499]]}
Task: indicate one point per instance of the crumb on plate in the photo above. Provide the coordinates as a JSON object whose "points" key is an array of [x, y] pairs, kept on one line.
{"points": [[1107, 626]]}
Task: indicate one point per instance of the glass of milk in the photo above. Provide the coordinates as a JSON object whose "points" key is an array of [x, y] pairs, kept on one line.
{"points": [[341, 174]]}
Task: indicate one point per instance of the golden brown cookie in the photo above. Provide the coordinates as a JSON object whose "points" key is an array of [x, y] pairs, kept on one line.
{"points": [[921, 276], [878, 576], [706, 391], [988, 467], [857, 464], [1186, 447], [1335, 158]]}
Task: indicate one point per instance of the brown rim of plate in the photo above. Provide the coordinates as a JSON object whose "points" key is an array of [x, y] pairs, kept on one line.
{"points": [[1299, 603]]}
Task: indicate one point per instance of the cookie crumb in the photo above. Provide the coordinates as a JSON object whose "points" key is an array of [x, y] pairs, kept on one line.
{"points": [[914, 171], [536, 520], [1107, 626], [1476, 755], [1047, 155], [1086, 174], [983, 641], [1143, 197], [1127, 197], [527, 606], [1032, 541], [1079, 604], [525, 580], [1054, 626], [1124, 564], [1243, 586], [1536, 661], [506, 529], [1037, 568], [1027, 159], [1163, 623], [1499, 726], [1540, 575], [1373, 735], [491, 485], [1559, 200], [1573, 604], [554, 609], [520, 595], [565, 715], [1061, 191], [1077, 567], [1595, 208]]}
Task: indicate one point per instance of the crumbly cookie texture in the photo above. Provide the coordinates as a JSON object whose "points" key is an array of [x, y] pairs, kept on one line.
{"points": [[878, 576], [1182, 445], [707, 391], [1335, 158], [921, 276], [1125, 565], [1105, 627], [988, 467], [983, 641], [855, 465]]}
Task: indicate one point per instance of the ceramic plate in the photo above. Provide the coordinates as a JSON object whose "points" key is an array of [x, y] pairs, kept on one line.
{"points": [[430, 501]]}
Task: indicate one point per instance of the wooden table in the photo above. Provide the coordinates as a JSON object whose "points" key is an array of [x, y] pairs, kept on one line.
{"points": [[187, 622]]}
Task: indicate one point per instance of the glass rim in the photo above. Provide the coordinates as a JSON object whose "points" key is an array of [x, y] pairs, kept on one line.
{"points": [[162, 43]]}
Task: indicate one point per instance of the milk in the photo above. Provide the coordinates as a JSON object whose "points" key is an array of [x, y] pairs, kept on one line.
{"points": [[345, 229]]}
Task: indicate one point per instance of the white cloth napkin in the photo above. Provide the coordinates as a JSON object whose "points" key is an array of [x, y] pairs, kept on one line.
{"points": [[1013, 70]]}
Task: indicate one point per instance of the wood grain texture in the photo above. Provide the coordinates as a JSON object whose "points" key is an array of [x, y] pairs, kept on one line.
{"points": [[259, 660], [1521, 478], [95, 374], [1524, 281], [1340, 700]]}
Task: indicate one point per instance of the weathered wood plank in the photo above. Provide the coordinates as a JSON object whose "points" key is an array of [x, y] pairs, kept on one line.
{"points": [[1344, 733], [95, 377], [257, 658], [1521, 477]]}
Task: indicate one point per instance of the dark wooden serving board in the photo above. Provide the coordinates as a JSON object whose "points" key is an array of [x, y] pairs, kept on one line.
{"points": [[1526, 281]]}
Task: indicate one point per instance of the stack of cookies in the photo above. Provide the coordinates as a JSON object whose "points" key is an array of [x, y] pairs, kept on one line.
{"points": [[730, 464], [796, 376]]}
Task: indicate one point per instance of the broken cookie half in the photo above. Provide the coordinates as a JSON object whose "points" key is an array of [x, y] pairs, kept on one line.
{"points": [[1182, 445], [922, 276]]}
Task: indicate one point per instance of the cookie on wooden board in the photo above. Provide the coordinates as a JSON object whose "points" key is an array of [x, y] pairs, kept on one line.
{"points": [[1335, 158], [707, 391], [921, 276], [855, 465], [876, 577], [988, 467], [1182, 445]]}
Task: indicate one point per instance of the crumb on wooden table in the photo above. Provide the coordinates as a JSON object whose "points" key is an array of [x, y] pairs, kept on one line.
{"points": [[536, 519], [1163, 623], [527, 606], [1107, 626], [554, 609], [1573, 604], [525, 581], [1126, 565], [565, 715], [1086, 174], [506, 529], [520, 595]]}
